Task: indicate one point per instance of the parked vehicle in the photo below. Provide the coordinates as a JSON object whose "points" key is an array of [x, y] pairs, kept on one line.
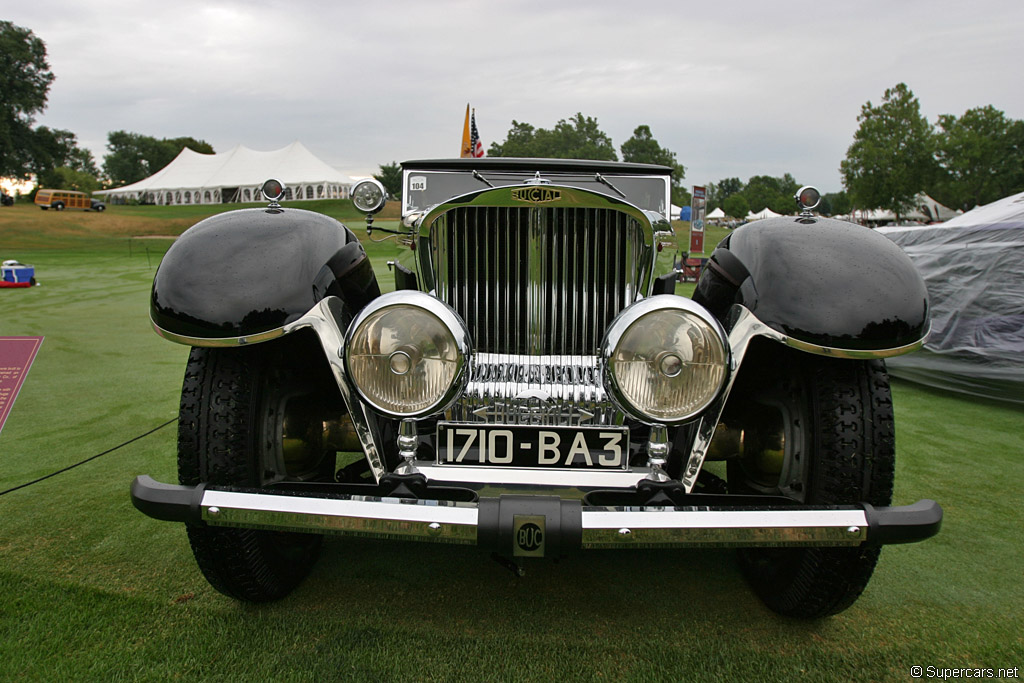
{"points": [[534, 385], [58, 200]]}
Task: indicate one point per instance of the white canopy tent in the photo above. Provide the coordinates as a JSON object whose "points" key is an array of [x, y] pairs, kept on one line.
{"points": [[763, 213], [236, 176], [717, 214]]}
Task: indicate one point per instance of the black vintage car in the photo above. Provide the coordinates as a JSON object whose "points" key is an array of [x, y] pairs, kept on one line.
{"points": [[534, 385]]}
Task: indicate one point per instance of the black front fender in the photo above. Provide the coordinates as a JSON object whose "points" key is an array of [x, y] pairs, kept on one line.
{"points": [[243, 275], [823, 282]]}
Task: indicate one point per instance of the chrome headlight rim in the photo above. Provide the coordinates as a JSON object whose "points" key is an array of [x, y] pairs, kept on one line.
{"points": [[376, 206], [443, 314], [631, 315]]}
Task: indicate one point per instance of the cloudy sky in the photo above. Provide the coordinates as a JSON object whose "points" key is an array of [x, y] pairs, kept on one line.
{"points": [[734, 88]]}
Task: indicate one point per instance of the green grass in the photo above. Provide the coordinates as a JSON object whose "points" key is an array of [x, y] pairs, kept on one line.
{"points": [[90, 589]]}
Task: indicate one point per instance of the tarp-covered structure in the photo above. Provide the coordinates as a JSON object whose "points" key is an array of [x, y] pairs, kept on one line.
{"points": [[973, 266], [236, 176]]}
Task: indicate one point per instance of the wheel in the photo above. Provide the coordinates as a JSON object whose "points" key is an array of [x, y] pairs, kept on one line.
{"points": [[822, 433], [58, 206], [249, 416], [101, 207]]}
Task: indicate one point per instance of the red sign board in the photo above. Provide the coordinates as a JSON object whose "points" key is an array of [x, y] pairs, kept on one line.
{"points": [[697, 208], [16, 356]]}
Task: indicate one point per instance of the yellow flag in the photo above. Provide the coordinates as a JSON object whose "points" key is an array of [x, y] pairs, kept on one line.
{"points": [[467, 145]]}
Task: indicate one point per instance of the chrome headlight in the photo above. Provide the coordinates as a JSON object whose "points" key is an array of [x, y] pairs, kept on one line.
{"points": [[666, 359], [369, 196], [406, 354]]}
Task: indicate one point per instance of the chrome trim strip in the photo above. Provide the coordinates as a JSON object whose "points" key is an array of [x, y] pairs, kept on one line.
{"points": [[551, 477], [856, 354], [363, 516], [669, 527], [219, 342]]}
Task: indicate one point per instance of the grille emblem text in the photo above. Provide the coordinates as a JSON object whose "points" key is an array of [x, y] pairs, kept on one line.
{"points": [[537, 195]]}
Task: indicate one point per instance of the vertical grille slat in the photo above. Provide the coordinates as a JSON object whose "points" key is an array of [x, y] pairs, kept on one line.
{"points": [[537, 281]]}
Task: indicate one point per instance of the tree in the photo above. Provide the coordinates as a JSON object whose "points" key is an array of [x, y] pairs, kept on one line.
{"points": [[521, 141], [642, 148], [390, 177], [577, 138], [835, 204], [735, 205], [764, 191], [718, 192], [67, 178], [981, 157], [56, 148], [891, 159], [133, 157], [25, 79], [728, 187]]}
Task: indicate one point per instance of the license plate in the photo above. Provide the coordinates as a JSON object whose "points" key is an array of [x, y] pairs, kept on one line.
{"points": [[516, 446]]}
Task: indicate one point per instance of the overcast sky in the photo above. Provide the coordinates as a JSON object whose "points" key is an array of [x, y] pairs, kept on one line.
{"points": [[733, 88]]}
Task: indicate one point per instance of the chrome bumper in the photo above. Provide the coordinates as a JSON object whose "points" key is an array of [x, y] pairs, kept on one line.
{"points": [[554, 524]]}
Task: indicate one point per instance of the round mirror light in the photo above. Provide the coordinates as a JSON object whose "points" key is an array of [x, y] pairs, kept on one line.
{"points": [[807, 198], [272, 190], [369, 196]]}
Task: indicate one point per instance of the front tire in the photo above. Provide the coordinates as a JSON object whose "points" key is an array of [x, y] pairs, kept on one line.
{"points": [[839, 448], [234, 404]]}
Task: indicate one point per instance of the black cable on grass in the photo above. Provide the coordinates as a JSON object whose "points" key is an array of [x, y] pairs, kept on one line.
{"points": [[71, 467]]}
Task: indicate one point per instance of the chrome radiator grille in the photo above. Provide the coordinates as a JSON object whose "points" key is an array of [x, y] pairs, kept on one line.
{"points": [[537, 281]]}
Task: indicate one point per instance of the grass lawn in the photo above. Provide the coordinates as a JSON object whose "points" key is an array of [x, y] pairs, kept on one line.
{"points": [[90, 589]]}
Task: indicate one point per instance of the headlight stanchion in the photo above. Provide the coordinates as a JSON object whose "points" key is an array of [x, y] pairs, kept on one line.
{"points": [[408, 442], [658, 449]]}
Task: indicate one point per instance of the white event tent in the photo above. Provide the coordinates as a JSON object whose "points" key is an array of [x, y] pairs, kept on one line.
{"points": [[236, 176], [762, 214]]}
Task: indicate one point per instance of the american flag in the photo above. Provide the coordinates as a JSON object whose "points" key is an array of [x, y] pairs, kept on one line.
{"points": [[475, 145]]}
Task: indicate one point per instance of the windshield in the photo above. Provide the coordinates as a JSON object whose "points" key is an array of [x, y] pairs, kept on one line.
{"points": [[425, 189]]}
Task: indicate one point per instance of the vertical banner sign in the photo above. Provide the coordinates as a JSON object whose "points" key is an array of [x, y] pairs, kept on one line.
{"points": [[16, 356], [697, 207]]}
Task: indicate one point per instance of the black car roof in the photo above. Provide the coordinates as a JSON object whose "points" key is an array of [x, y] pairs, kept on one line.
{"points": [[529, 164]]}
